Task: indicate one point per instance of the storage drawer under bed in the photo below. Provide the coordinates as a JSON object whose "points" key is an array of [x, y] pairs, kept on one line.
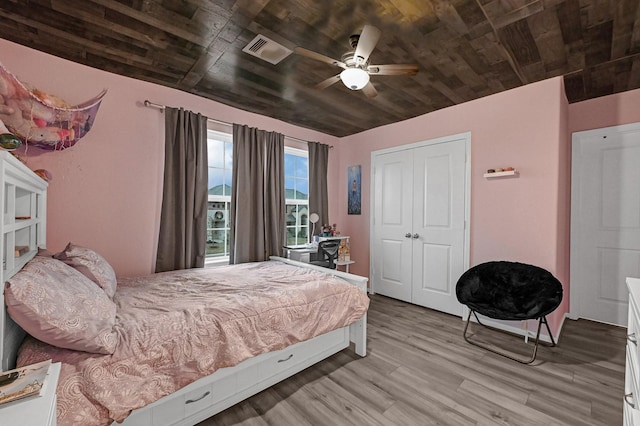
{"points": [[228, 386]]}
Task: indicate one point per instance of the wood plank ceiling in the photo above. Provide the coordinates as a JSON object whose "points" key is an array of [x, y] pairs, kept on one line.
{"points": [[465, 49]]}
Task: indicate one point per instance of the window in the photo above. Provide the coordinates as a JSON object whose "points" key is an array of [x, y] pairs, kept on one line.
{"points": [[296, 188], [296, 171], [220, 153]]}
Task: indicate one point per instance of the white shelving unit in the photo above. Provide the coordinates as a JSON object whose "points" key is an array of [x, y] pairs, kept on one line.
{"points": [[339, 262], [344, 263], [23, 196]]}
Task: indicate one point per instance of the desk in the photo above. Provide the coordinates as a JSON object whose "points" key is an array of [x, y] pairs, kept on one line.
{"points": [[301, 253], [337, 237]]}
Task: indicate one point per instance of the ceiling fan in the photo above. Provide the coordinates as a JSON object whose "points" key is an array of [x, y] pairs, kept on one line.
{"points": [[355, 64]]}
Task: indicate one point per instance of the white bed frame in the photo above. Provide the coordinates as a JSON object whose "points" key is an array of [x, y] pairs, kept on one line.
{"points": [[228, 386]]}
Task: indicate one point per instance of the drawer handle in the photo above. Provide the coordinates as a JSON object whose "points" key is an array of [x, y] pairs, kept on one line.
{"points": [[190, 401], [632, 338], [286, 359], [628, 398]]}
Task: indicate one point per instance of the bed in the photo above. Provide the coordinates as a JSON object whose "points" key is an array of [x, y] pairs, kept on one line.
{"points": [[179, 346]]}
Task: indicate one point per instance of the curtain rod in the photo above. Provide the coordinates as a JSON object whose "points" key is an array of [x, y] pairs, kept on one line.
{"points": [[224, 123]]}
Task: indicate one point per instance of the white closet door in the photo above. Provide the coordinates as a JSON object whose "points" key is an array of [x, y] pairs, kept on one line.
{"points": [[605, 221], [419, 241], [438, 225], [393, 192]]}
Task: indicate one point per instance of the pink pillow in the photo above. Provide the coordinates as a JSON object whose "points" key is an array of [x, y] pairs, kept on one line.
{"points": [[91, 265], [58, 305]]}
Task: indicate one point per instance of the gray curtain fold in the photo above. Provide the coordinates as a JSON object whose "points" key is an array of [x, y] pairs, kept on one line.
{"points": [[183, 219], [257, 200], [318, 198]]}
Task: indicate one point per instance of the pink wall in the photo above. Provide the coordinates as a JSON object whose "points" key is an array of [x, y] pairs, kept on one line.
{"points": [[607, 111], [513, 219], [525, 219], [106, 190], [563, 212]]}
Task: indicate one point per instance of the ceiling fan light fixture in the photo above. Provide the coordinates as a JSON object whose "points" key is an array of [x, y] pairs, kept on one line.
{"points": [[354, 78]]}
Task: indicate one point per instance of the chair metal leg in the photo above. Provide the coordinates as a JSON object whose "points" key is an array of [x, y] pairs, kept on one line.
{"points": [[504, 354]]}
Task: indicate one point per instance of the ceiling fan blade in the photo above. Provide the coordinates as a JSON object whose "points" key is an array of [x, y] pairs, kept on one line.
{"points": [[328, 82], [318, 57], [393, 69], [369, 90], [367, 42]]}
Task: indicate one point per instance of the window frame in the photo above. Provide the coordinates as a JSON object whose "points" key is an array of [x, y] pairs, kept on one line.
{"points": [[301, 223], [211, 259]]}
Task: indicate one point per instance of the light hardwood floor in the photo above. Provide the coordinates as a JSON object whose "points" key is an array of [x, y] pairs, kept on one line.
{"points": [[420, 371]]}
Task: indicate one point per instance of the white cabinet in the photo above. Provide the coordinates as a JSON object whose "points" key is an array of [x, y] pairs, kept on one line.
{"points": [[34, 411], [23, 196], [419, 215], [632, 371]]}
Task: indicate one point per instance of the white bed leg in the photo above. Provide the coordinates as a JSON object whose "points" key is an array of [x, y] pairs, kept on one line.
{"points": [[358, 335]]}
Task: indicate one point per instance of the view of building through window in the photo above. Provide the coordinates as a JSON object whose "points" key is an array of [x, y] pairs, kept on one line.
{"points": [[220, 150], [296, 187], [220, 153]]}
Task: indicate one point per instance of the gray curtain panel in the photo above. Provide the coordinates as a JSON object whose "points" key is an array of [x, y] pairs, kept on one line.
{"points": [[318, 198], [183, 221], [257, 199]]}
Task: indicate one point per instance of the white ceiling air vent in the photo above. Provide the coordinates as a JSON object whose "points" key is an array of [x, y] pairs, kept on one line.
{"points": [[266, 49]]}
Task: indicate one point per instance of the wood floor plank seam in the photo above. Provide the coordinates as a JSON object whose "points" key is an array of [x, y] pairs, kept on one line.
{"points": [[420, 371]]}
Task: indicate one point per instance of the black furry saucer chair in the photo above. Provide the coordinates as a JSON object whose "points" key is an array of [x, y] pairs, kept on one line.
{"points": [[509, 291]]}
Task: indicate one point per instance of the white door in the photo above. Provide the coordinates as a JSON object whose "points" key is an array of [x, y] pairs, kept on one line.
{"points": [[419, 240], [438, 225], [392, 212], [605, 221]]}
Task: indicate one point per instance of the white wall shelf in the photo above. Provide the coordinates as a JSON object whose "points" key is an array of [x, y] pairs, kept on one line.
{"points": [[502, 174]]}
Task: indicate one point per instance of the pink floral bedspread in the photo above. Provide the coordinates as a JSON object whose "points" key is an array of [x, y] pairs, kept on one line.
{"points": [[175, 327]]}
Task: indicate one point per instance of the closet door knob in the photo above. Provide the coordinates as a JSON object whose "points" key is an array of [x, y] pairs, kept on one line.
{"points": [[407, 235], [415, 236]]}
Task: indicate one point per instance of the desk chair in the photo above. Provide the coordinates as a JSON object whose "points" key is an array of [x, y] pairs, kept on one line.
{"points": [[327, 254]]}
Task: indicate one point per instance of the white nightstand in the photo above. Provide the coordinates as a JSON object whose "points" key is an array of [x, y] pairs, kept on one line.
{"points": [[36, 411]]}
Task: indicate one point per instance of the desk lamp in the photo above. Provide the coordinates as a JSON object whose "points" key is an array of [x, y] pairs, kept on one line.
{"points": [[313, 218]]}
